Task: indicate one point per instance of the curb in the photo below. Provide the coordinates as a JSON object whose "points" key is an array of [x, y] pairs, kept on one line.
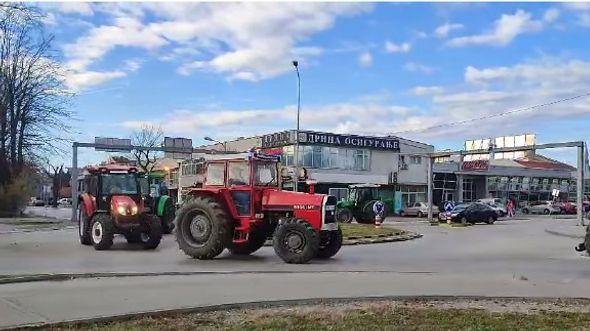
{"points": [[68, 227], [567, 235], [271, 304]]}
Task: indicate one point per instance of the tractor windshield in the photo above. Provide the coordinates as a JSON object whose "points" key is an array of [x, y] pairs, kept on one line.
{"points": [[119, 184], [238, 173], [265, 174]]}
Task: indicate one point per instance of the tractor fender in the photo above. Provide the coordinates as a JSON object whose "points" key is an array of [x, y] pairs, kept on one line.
{"points": [[161, 204], [89, 205]]}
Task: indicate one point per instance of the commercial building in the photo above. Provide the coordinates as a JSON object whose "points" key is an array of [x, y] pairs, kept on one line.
{"points": [[333, 161], [523, 176]]}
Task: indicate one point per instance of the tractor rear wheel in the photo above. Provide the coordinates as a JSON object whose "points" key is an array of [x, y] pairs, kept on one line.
{"points": [[83, 226], [102, 232], [331, 242], [295, 241], [168, 217], [152, 233], [203, 228]]}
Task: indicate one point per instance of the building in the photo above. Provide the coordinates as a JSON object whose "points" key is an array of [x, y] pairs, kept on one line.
{"points": [[523, 176], [333, 161]]}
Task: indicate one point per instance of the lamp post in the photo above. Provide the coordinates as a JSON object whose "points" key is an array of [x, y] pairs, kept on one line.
{"points": [[223, 143], [296, 154]]}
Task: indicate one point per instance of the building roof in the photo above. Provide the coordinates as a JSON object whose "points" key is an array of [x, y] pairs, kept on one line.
{"points": [[541, 162]]}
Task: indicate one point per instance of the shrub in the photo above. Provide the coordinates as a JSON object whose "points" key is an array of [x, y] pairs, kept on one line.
{"points": [[14, 196]]}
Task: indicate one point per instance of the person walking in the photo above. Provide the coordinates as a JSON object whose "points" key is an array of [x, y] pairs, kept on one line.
{"points": [[510, 208]]}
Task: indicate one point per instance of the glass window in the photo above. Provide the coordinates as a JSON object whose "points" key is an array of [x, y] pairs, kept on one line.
{"points": [[238, 173], [215, 174], [361, 159], [265, 174], [416, 159], [317, 157], [307, 156], [119, 184]]}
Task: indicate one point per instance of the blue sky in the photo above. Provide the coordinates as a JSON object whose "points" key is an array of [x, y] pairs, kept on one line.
{"points": [[224, 70]]}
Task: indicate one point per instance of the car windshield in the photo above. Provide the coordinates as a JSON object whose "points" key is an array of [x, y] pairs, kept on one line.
{"points": [[265, 174], [120, 184]]}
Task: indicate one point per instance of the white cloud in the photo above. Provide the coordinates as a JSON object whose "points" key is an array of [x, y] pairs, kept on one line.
{"points": [[551, 15], [132, 65], [81, 80], [506, 28], [427, 90], [584, 20], [365, 59], [81, 8], [418, 67], [391, 47], [444, 30], [250, 41]]}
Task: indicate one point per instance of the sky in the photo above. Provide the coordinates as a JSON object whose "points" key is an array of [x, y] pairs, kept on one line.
{"points": [[414, 70]]}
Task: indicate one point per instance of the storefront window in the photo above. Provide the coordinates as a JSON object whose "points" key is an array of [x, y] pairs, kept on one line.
{"points": [[323, 157]]}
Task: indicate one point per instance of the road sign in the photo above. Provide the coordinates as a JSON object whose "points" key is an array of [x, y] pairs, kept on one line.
{"points": [[107, 144]]}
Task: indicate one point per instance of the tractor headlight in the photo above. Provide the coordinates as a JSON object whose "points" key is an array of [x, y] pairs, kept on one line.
{"points": [[134, 210], [121, 210]]}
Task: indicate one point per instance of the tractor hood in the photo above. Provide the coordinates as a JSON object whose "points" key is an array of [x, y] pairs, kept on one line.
{"points": [[287, 200]]}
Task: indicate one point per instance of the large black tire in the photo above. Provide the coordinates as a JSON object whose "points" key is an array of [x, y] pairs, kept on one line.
{"points": [[102, 231], [344, 215], [491, 220], [203, 228], [295, 241], [168, 217], [587, 240], [254, 243], [152, 232], [331, 242], [83, 226]]}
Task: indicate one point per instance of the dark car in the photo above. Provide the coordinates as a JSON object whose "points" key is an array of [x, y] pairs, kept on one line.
{"points": [[473, 213]]}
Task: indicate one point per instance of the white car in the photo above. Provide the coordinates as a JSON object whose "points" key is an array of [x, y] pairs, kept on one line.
{"points": [[64, 202], [419, 209], [542, 207]]}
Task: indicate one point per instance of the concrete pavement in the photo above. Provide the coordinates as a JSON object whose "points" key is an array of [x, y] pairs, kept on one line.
{"points": [[510, 258]]}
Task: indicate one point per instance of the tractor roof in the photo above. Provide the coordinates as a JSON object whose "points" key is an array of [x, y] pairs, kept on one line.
{"points": [[112, 168]]}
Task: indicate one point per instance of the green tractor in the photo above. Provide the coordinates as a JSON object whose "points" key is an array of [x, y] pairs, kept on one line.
{"points": [[155, 192], [359, 204]]}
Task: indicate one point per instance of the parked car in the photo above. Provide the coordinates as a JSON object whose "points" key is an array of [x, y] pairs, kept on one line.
{"points": [[419, 209], [566, 207], [541, 207], [64, 202], [498, 208], [36, 202], [472, 213]]}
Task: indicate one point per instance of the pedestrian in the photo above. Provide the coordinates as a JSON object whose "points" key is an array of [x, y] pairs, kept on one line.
{"points": [[510, 208]]}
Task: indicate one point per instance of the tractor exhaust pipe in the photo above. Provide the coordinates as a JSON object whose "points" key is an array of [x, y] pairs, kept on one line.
{"points": [[580, 248]]}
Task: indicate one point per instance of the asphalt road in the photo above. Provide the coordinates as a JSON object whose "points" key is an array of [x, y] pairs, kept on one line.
{"points": [[510, 258]]}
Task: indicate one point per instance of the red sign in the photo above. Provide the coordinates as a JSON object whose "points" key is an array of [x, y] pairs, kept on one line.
{"points": [[273, 151], [476, 165]]}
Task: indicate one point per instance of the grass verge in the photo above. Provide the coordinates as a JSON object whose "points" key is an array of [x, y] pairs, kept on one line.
{"points": [[382, 315], [361, 230]]}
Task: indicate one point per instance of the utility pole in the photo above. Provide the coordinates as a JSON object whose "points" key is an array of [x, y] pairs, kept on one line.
{"points": [[296, 153]]}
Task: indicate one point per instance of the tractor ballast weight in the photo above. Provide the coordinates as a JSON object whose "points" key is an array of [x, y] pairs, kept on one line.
{"points": [[241, 205], [111, 202]]}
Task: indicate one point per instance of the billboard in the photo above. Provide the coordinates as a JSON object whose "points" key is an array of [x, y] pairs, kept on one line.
{"points": [[108, 144], [183, 145]]}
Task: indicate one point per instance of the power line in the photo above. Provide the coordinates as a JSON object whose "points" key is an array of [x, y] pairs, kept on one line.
{"points": [[509, 112]]}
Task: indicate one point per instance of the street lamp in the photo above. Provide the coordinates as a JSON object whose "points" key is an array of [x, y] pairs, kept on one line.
{"points": [[219, 142], [296, 156]]}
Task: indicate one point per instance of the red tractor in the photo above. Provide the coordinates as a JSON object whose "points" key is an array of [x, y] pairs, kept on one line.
{"points": [[110, 203], [241, 205]]}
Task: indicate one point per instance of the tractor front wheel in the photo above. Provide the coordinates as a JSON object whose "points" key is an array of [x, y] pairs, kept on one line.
{"points": [[102, 232], [295, 241], [203, 228], [152, 234], [331, 242]]}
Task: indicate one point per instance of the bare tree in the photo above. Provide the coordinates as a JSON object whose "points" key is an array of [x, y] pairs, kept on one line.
{"points": [[147, 136], [56, 174], [33, 97]]}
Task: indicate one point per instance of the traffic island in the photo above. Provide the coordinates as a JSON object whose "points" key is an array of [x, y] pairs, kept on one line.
{"points": [[364, 314]]}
